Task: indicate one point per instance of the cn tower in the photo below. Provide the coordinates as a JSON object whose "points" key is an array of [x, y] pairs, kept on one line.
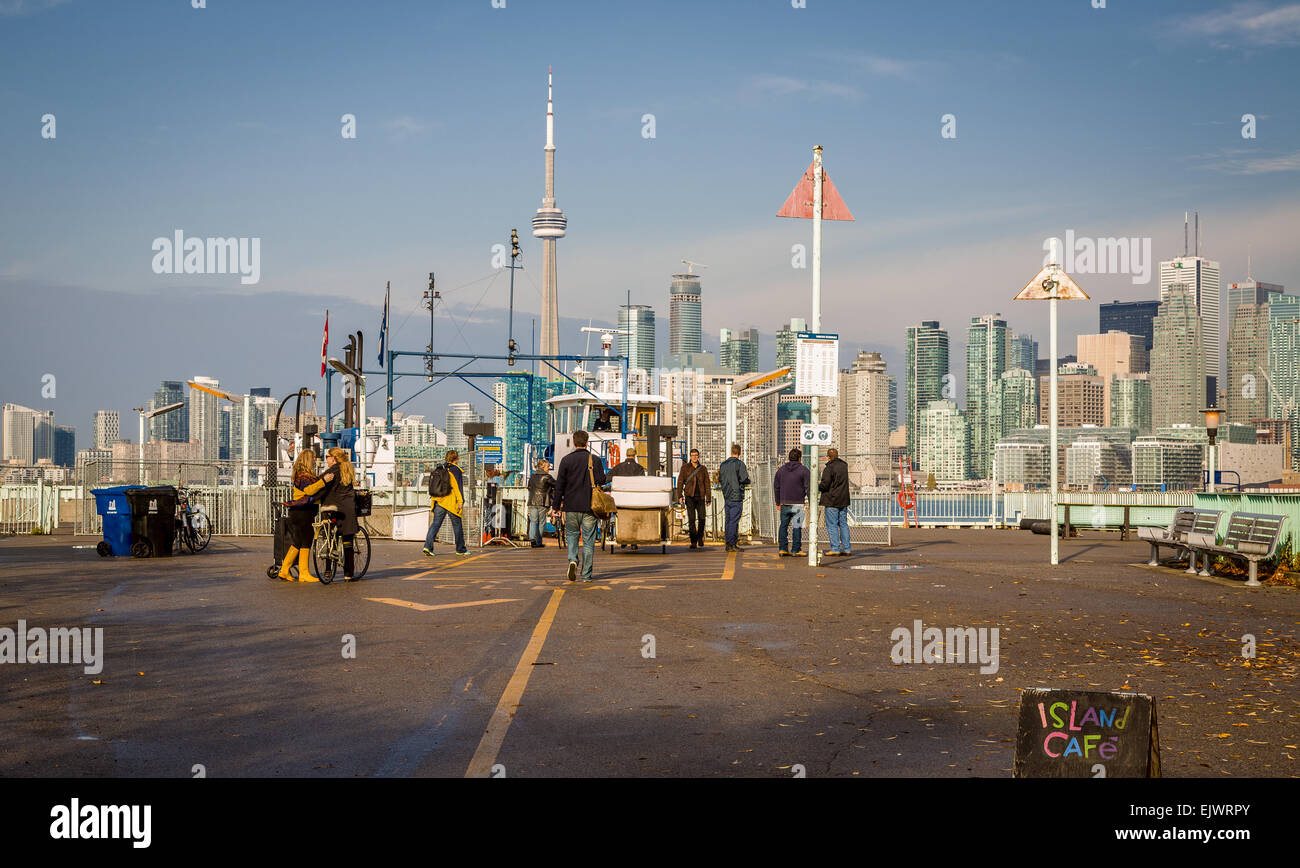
{"points": [[548, 225]]}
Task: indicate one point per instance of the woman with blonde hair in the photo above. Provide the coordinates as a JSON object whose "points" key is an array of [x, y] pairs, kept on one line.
{"points": [[302, 513], [339, 478]]}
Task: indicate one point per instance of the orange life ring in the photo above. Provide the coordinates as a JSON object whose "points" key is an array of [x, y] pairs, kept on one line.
{"points": [[906, 499]]}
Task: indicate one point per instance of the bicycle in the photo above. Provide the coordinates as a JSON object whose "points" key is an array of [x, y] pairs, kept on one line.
{"points": [[193, 529], [327, 546]]}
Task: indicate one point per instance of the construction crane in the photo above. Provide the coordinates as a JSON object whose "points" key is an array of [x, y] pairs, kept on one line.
{"points": [[690, 266]]}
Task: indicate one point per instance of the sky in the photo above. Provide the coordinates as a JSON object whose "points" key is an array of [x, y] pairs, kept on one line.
{"points": [[226, 121]]}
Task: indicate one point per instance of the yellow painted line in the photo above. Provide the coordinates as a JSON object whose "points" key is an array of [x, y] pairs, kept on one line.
{"points": [[449, 566], [729, 570], [424, 607], [480, 766]]}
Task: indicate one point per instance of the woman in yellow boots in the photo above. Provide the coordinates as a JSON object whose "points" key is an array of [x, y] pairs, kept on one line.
{"points": [[302, 514]]}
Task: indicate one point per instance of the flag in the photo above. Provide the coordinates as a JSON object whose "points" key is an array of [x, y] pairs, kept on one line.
{"points": [[325, 343], [383, 325]]}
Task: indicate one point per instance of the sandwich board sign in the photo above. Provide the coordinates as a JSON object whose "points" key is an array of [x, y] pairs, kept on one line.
{"points": [[1086, 734]]}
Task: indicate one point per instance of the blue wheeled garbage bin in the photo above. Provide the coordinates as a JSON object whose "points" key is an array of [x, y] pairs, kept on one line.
{"points": [[115, 509]]}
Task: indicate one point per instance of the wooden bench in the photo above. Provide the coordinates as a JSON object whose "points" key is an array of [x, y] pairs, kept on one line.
{"points": [[1186, 522], [1251, 537]]}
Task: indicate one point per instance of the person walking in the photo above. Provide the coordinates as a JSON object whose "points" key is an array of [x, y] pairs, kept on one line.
{"points": [[695, 493], [447, 505], [834, 488], [540, 486], [733, 476], [790, 492], [579, 472], [339, 477], [302, 514]]}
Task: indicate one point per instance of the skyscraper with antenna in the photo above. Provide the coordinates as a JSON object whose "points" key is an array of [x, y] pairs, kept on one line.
{"points": [[549, 224], [1201, 277]]}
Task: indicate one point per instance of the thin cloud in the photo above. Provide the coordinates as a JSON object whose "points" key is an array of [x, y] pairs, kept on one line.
{"points": [[16, 8], [1249, 24], [405, 127], [1242, 161], [784, 85], [885, 67]]}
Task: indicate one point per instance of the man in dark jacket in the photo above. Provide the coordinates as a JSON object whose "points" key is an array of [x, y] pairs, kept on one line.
{"points": [[695, 492], [628, 466], [834, 488], [539, 501], [790, 491], [572, 497], [733, 476]]}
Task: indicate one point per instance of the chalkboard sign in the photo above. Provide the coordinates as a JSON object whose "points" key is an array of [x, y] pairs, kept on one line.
{"points": [[1084, 734]]}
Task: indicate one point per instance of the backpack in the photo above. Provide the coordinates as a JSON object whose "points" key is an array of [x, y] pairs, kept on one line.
{"points": [[440, 481]]}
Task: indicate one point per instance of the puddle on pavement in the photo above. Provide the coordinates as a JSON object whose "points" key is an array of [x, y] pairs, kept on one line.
{"points": [[885, 567]]}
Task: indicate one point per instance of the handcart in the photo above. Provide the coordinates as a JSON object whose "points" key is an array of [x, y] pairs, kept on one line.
{"points": [[642, 505]]}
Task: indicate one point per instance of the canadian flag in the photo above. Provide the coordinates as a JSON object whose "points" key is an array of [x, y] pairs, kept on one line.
{"points": [[325, 343]]}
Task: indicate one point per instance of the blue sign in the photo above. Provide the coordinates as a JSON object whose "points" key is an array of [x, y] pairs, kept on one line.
{"points": [[489, 449], [816, 336]]}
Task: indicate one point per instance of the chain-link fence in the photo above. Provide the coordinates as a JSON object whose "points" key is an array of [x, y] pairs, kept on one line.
{"points": [[869, 524]]}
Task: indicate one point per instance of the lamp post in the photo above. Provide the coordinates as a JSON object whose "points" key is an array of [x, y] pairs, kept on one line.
{"points": [[1212, 418], [149, 414]]}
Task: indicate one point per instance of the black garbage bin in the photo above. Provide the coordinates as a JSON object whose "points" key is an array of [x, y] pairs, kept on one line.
{"points": [[153, 521]]}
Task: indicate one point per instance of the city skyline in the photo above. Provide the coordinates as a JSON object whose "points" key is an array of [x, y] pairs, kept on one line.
{"points": [[255, 154]]}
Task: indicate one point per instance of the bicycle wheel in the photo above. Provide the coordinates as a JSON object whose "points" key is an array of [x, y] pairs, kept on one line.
{"points": [[200, 531], [185, 534], [324, 558], [360, 552]]}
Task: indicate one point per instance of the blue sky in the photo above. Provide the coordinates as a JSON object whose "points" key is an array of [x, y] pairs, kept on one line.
{"points": [[225, 121]]}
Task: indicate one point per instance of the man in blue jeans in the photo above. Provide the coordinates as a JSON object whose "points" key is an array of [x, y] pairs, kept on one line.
{"points": [[578, 472], [790, 492], [834, 488], [733, 476]]}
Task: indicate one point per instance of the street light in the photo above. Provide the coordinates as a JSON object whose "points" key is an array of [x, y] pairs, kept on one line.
{"points": [[247, 401], [359, 381], [1213, 416], [149, 414]]}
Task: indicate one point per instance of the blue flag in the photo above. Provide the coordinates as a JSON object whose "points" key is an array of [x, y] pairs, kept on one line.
{"points": [[383, 326]]}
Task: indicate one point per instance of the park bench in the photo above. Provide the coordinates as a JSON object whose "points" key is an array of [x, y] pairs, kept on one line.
{"points": [[1251, 537], [1186, 521]]}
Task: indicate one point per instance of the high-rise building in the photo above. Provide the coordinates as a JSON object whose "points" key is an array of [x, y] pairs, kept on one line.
{"points": [[684, 319], [1201, 277], [1024, 353], [19, 433], [638, 344], [1131, 317], [927, 368], [107, 428], [987, 351], [1016, 400], [500, 390], [1093, 460], [1246, 388], [1080, 397], [1250, 291], [1177, 361], [549, 225], [457, 415], [787, 348], [1283, 383], [43, 436], [261, 416], [1022, 455], [792, 410], [65, 445], [1166, 463], [944, 441], [893, 402], [204, 418], [1113, 354], [863, 429], [1130, 403], [738, 351], [173, 427]]}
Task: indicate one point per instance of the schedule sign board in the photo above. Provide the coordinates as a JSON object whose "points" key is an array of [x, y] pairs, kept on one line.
{"points": [[817, 364]]}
